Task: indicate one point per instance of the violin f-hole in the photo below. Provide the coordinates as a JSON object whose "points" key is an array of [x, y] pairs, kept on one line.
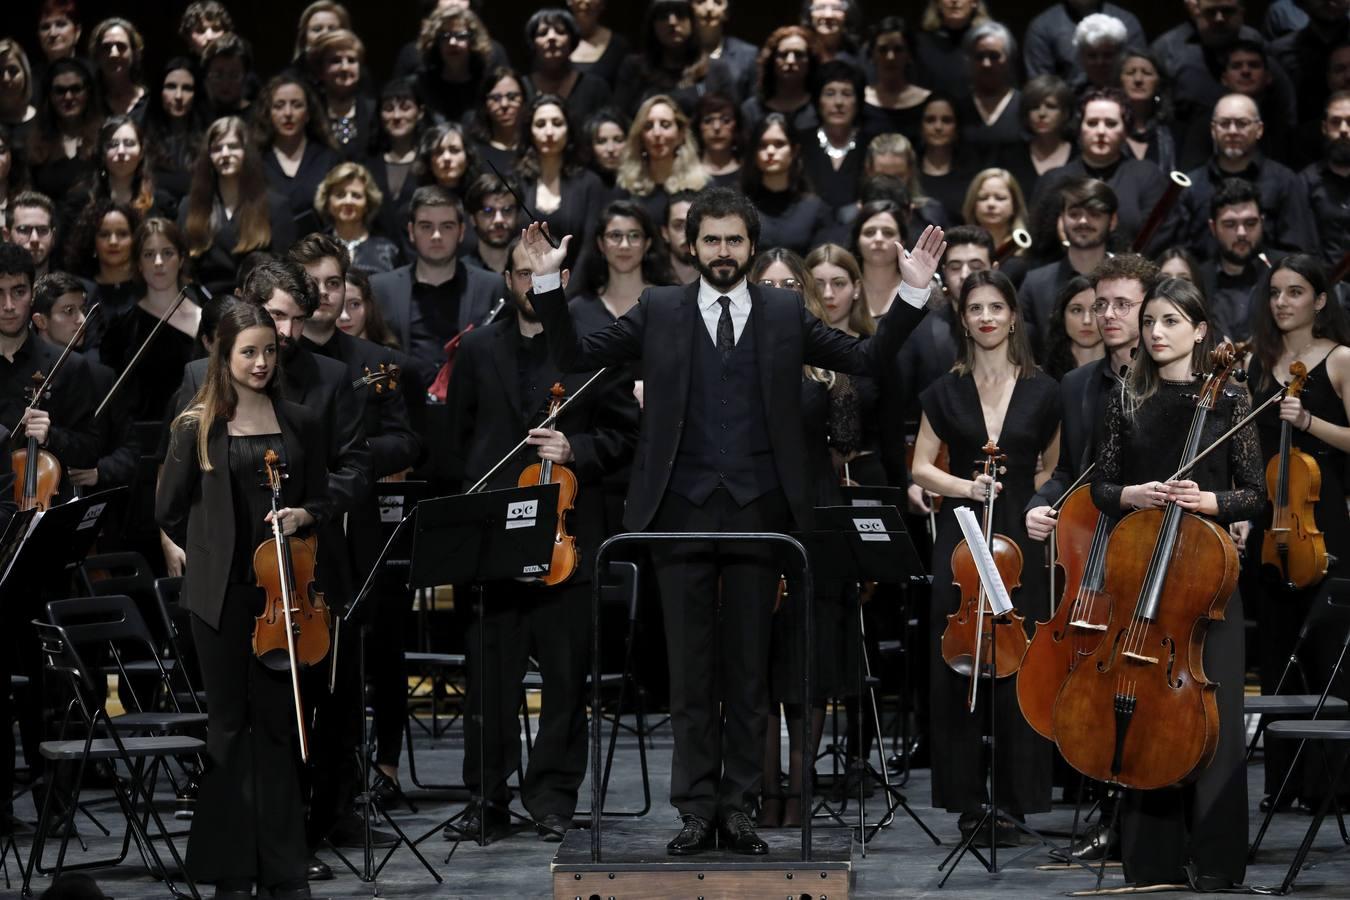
{"points": [[1110, 661], [1173, 681]]}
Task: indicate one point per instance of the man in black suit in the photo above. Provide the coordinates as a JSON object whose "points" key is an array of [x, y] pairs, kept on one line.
{"points": [[499, 394], [722, 361], [1120, 284], [1235, 279], [393, 448], [434, 298]]}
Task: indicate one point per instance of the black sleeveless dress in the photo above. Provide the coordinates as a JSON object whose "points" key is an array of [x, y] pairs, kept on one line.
{"points": [[952, 405], [1281, 612]]}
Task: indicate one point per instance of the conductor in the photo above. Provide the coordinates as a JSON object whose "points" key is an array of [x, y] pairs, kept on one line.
{"points": [[719, 450]]}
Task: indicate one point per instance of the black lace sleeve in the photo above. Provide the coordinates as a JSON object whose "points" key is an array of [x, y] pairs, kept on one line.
{"points": [[845, 415], [1248, 494], [1106, 480]]}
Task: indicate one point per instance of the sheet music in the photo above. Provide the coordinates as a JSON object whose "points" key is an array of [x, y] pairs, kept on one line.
{"points": [[994, 589]]}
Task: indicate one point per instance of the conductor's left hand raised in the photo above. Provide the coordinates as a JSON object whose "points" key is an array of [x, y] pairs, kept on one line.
{"points": [[543, 257]]}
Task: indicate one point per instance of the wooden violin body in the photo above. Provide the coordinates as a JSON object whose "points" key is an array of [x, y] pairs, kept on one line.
{"points": [[309, 614], [1081, 617], [959, 637], [1292, 545], [292, 629], [973, 631], [37, 476], [1139, 711], [564, 562]]}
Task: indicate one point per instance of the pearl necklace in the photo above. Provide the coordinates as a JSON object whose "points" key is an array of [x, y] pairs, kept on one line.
{"points": [[831, 150]]}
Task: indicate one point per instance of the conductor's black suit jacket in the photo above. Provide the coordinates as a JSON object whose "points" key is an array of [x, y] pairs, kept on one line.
{"points": [[661, 329]]}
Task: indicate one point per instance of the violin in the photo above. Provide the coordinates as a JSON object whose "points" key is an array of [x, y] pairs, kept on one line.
{"points": [[1076, 628], [1292, 544], [564, 562], [1139, 711], [974, 628], [293, 628], [37, 472]]}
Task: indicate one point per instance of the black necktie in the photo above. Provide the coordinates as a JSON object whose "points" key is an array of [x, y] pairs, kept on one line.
{"points": [[726, 334]]}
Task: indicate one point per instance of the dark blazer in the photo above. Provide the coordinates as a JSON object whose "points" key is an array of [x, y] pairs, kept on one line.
{"points": [[1083, 393], [393, 291], [488, 418], [299, 189], [204, 501], [660, 331]]}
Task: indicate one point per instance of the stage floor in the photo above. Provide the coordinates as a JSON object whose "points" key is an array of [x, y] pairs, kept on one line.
{"points": [[900, 862]]}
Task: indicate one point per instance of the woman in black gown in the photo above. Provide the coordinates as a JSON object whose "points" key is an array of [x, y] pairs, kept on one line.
{"points": [[1196, 833], [996, 393], [1301, 323], [249, 826]]}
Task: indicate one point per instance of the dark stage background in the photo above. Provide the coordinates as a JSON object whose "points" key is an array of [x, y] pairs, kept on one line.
{"points": [[385, 26]]}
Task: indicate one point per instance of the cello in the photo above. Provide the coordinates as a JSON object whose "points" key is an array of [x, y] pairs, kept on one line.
{"points": [[1292, 545], [564, 561], [1139, 711], [292, 630], [1076, 628], [973, 629]]}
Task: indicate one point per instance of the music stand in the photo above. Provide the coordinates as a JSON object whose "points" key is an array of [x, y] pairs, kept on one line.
{"points": [[472, 539], [868, 542], [358, 613]]}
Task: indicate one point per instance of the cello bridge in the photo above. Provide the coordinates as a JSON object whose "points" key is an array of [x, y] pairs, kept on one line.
{"points": [[1138, 657], [1080, 623]]}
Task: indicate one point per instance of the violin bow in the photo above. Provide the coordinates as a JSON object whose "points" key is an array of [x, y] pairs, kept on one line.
{"points": [[531, 214], [140, 351], [547, 423], [1245, 421]]}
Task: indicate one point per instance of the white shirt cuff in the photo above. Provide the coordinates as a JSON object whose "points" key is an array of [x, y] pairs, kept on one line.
{"points": [[553, 281], [915, 297]]}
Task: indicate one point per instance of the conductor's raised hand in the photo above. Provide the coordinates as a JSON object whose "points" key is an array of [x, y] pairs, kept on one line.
{"points": [[543, 257], [918, 265]]}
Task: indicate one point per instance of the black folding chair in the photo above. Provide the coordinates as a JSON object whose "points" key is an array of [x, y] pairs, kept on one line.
{"points": [[140, 757]]}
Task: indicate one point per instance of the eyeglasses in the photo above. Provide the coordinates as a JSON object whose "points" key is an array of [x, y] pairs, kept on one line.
{"points": [[790, 284], [67, 90], [505, 97], [618, 238], [462, 37], [1120, 307], [29, 231], [1233, 124], [506, 212]]}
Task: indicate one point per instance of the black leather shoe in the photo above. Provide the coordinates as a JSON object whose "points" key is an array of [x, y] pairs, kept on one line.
{"points": [[350, 831], [695, 837], [738, 835], [470, 828], [1287, 803], [1097, 843], [318, 870], [386, 791], [552, 827]]}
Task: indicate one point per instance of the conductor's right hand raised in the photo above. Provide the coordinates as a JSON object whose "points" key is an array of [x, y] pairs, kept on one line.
{"points": [[543, 258]]}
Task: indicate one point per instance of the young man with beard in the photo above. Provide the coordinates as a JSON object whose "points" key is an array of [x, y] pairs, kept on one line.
{"points": [[32, 224], [1231, 281], [500, 393], [1328, 181], [681, 259], [495, 215], [1236, 129], [393, 448], [723, 361], [1087, 217]]}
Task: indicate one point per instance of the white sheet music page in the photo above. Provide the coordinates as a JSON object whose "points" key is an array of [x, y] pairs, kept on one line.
{"points": [[994, 588]]}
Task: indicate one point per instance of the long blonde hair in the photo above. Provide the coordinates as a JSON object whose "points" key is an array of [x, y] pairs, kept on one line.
{"points": [[255, 224], [687, 173], [859, 316], [217, 398]]}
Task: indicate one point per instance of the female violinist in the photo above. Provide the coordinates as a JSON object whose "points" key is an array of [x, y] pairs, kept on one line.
{"points": [[1197, 833], [995, 392], [249, 824], [1301, 323]]}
